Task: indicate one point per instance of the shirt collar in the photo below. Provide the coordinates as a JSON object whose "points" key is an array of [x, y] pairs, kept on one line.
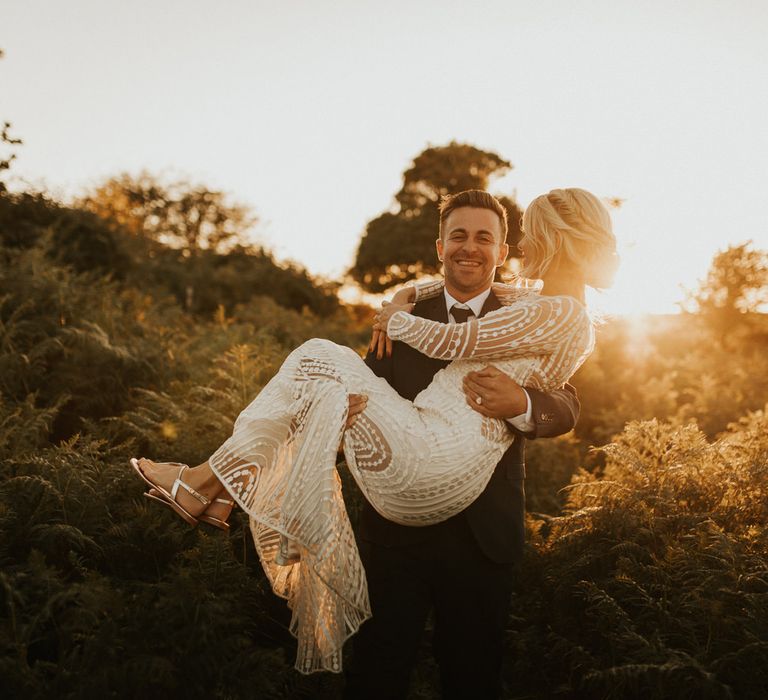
{"points": [[475, 303]]}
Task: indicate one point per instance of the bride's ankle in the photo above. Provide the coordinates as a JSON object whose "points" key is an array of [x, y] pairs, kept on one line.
{"points": [[202, 479]]}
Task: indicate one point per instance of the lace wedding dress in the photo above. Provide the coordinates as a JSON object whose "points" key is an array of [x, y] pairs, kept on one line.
{"points": [[417, 463]]}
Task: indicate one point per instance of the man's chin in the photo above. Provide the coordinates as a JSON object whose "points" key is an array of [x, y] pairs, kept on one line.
{"points": [[467, 285]]}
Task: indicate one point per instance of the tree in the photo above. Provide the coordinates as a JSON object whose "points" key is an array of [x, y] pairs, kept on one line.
{"points": [[5, 162], [8, 140], [400, 246], [736, 286], [177, 214], [193, 241]]}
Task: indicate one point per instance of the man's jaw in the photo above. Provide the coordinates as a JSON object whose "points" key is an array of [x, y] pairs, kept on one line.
{"points": [[464, 290]]}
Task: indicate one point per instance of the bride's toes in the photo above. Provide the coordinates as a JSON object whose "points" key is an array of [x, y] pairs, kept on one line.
{"points": [[159, 474]]}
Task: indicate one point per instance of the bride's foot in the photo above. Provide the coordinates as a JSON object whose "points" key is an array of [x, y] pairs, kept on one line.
{"points": [[180, 487], [218, 512]]}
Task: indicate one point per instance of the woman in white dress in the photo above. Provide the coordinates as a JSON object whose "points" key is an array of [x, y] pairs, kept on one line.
{"points": [[417, 462]]}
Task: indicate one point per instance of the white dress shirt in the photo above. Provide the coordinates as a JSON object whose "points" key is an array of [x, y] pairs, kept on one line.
{"points": [[524, 421]]}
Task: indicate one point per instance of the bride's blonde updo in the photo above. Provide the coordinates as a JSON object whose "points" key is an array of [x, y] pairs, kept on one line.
{"points": [[570, 228]]}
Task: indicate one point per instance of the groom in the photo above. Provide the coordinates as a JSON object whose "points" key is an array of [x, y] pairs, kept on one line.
{"points": [[460, 568]]}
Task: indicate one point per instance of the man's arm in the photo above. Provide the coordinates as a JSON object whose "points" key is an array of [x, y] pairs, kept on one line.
{"points": [[554, 413]]}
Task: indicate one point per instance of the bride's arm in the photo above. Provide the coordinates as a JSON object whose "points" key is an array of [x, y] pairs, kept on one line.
{"points": [[534, 328], [419, 291], [509, 293], [428, 290], [381, 344]]}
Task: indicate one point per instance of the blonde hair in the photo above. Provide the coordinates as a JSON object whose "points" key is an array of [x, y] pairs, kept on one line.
{"points": [[570, 228]]}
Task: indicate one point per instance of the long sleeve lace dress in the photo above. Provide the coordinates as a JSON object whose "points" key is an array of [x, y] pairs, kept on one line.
{"points": [[418, 463]]}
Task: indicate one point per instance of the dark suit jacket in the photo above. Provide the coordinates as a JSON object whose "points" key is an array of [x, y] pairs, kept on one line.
{"points": [[497, 517]]}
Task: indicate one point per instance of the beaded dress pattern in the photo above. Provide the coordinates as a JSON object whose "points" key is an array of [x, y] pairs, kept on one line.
{"points": [[418, 463]]}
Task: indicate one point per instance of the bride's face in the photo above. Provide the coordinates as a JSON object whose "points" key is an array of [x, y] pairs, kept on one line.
{"points": [[471, 249], [527, 253]]}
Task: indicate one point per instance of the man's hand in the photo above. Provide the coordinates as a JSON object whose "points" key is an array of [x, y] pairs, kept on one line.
{"points": [[500, 395], [357, 404]]}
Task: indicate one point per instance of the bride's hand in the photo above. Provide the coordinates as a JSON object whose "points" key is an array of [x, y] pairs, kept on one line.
{"points": [[380, 343]]}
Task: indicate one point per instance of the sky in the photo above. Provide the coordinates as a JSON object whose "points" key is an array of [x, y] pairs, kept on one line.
{"points": [[309, 111]]}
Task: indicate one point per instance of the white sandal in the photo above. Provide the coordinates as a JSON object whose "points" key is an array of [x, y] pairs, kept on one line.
{"points": [[169, 498]]}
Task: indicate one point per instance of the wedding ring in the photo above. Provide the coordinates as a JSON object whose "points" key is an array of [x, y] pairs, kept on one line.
{"points": [[479, 401]]}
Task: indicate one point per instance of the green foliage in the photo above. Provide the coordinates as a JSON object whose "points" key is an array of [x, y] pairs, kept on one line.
{"points": [[653, 583], [102, 594], [54, 323], [646, 574], [400, 246], [69, 236], [87, 243], [550, 464], [210, 280], [668, 367]]}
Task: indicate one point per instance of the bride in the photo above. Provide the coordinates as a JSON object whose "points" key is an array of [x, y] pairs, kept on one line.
{"points": [[417, 463]]}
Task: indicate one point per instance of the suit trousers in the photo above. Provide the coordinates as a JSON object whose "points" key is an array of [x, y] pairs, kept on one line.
{"points": [[470, 595]]}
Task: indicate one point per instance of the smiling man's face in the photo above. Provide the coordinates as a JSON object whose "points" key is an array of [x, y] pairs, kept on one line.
{"points": [[471, 249]]}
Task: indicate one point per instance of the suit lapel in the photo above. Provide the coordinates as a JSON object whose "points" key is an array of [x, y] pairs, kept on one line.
{"points": [[434, 309]]}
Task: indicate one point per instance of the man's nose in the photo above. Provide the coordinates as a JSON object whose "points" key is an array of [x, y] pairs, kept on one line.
{"points": [[470, 245]]}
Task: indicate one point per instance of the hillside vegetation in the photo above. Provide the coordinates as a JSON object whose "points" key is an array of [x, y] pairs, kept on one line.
{"points": [[646, 573]]}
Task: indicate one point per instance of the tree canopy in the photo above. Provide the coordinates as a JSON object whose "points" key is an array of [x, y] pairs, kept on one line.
{"points": [[8, 141], [177, 214], [399, 246], [735, 287]]}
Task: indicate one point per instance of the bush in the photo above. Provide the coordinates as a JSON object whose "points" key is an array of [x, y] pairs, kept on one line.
{"points": [[654, 581]]}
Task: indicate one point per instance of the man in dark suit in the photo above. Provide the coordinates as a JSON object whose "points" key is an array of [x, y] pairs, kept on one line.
{"points": [[460, 568]]}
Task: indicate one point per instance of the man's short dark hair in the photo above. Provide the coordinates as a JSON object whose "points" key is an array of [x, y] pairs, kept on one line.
{"points": [[479, 199]]}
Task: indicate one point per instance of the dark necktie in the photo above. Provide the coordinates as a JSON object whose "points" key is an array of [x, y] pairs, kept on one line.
{"points": [[461, 315]]}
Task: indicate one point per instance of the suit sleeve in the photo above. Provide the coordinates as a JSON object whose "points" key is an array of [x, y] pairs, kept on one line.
{"points": [[554, 413]]}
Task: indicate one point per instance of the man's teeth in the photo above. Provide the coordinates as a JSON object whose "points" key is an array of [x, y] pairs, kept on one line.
{"points": [[468, 263]]}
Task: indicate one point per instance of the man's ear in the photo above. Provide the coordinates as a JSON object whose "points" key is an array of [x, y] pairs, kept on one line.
{"points": [[503, 253], [439, 246]]}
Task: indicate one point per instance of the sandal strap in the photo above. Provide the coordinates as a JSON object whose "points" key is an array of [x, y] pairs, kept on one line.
{"points": [[166, 464], [199, 496]]}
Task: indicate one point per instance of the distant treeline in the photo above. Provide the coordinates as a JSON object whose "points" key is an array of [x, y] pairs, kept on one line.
{"points": [[200, 278]]}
